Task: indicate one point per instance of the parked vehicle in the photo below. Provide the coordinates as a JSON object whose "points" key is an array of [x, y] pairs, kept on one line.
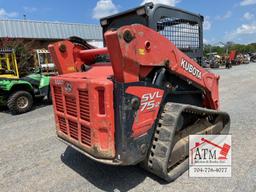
{"points": [[246, 59], [214, 60], [17, 93], [206, 63]]}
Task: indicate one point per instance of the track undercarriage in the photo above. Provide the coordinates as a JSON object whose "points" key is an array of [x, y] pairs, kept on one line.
{"points": [[168, 155]]}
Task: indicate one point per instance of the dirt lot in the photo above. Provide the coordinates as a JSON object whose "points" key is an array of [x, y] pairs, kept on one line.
{"points": [[32, 159]]}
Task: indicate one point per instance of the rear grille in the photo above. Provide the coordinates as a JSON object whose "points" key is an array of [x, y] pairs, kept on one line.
{"points": [[69, 124], [84, 105], [85, 135], [58, 99], [73, 129], [71, 106], [62, 125]]}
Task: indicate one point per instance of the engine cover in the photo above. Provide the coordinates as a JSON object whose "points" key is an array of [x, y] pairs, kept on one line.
{"points": [[84, 112]]}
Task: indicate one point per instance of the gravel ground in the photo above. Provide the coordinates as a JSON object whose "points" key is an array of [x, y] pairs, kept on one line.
{"points": [[32, 159]]}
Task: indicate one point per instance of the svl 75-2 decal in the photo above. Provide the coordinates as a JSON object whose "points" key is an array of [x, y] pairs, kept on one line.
{"points": [[150, 100]]}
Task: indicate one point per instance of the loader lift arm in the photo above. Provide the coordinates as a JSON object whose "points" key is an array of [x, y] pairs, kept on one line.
{"points": [[135, 55], [141, 49]]}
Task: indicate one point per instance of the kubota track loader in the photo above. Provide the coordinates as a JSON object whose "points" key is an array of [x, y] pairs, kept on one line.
{"points": [[138, 99]]}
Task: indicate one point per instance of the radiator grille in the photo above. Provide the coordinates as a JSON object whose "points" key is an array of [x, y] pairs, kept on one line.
{"points": [[71, 106], [62, 125], [58, 99], [84, 105], [68, 125], [85, 135], [73, 129]]}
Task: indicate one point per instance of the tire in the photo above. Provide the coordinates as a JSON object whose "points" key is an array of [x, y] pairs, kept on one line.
{"points": [[20, 102]]}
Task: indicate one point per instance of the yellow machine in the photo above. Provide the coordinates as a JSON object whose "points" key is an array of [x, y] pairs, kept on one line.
{"points": [[8, 64]]}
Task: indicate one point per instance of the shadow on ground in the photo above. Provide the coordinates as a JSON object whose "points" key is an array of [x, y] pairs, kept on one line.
{"points": [[105, 177]]}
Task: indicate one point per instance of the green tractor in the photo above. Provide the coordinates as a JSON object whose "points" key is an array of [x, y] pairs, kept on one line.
{"points": [[18, 94]]}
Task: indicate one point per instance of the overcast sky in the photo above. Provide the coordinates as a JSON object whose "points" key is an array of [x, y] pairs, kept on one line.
{"points": [[225, 20]]}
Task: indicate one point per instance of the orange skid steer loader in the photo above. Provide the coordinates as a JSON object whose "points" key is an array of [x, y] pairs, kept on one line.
{"points": [[138, 99]]}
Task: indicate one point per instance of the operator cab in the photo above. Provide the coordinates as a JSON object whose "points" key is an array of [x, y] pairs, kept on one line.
{"points": [[183, 28]]}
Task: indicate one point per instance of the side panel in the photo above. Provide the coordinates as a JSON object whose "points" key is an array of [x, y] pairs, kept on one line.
{"points": [[34, 76], [133, 131], [150, 100], [44, 86], [39, 82], [44, 81]]}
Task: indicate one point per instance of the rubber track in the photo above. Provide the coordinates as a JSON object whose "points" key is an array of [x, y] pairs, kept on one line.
{"points": [[162, 144]]}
